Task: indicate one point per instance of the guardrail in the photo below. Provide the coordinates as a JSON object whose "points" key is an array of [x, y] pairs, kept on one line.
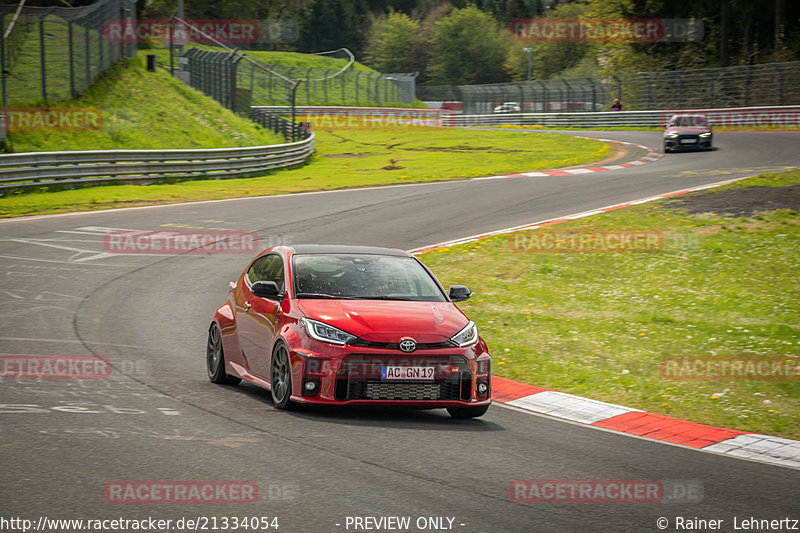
{"points": [[105, 166], [732, 117]]}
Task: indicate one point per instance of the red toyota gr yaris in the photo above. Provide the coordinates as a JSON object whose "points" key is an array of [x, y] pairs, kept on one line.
{"points": [[349, 325]]}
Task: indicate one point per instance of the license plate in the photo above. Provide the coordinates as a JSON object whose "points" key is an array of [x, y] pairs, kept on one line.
{"points": [[688, 141], [407, 372]]}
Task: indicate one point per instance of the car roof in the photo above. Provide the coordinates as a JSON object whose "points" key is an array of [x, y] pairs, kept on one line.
{"points": [[345, 249]]}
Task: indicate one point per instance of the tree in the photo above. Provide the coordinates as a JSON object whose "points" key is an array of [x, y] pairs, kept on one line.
{"points": [[332, 24], [468, 48], [396, 44], [550, 58]]}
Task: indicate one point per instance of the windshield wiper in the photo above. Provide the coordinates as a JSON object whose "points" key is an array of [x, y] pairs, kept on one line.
{"points": [[322, 295], [382, 297]]}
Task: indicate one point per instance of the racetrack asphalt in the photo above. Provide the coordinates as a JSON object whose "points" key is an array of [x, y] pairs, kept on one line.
{"points": [[158, 418]]}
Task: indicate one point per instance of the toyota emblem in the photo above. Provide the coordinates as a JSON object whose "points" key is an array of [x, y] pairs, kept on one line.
{"points": [[408, 345]]}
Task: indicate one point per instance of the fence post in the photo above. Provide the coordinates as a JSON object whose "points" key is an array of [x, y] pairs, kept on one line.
{"points": [[100, 42], [87, 56], [71, 62], [42, 54], [171, 49], [3, 66], [233, 60], [308, 85], [358, 73], [594, 94], [746, 87], [544, 95], [780, 83], [619, 86], [252, 77], [377, 90], [569, 93]]}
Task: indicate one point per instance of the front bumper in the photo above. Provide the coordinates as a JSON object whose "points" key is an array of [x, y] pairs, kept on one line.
{"points": [[688, 142], [352, 376]]}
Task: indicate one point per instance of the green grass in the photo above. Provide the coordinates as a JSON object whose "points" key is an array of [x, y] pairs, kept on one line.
{"points": [[597, 325], [145, 110], [356, 157]]}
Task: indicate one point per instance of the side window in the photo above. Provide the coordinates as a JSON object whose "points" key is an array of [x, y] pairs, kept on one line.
{"points": [[267, 268]]}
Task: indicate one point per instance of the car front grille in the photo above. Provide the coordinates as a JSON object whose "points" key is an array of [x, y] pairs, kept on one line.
{"points": [[371, 389], [359, 379]]}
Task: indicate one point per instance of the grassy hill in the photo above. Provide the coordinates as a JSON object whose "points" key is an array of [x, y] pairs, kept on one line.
{"points": [[147, 110]]}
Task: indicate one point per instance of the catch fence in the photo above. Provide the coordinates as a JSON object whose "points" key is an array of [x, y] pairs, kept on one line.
{"points": [[771, 84]]}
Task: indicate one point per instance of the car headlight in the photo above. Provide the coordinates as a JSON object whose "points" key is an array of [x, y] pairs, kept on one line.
{"points": [[467, 336], [705, 135], [325, 333], [671, 135]]}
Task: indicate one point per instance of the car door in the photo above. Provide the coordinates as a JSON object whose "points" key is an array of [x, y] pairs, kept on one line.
{"points": [[259, 316]]}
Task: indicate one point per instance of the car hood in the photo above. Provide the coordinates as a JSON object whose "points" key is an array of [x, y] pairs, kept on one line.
{"points": [[388, 320]]}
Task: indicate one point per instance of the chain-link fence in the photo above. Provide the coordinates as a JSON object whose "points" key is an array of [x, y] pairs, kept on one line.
{"points": [[54, 53], [258, 83], [239, 79], [772, 84]]}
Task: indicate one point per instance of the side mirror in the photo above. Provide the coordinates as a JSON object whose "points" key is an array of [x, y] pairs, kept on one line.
{"points": [[459, 293], [266, 289]]}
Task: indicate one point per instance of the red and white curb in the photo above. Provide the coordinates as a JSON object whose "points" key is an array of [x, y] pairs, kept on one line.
{"points": [[552, 221], [622, 419], [731, 442], [651, 156]]}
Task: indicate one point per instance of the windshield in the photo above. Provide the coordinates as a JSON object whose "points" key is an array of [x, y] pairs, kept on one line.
{"points": [[691, 121], [366, 277]]}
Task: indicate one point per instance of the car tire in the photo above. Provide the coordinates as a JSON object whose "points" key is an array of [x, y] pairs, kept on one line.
{"points": [[666, 150], [281, 378], [215, 358], [468, 412]]}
